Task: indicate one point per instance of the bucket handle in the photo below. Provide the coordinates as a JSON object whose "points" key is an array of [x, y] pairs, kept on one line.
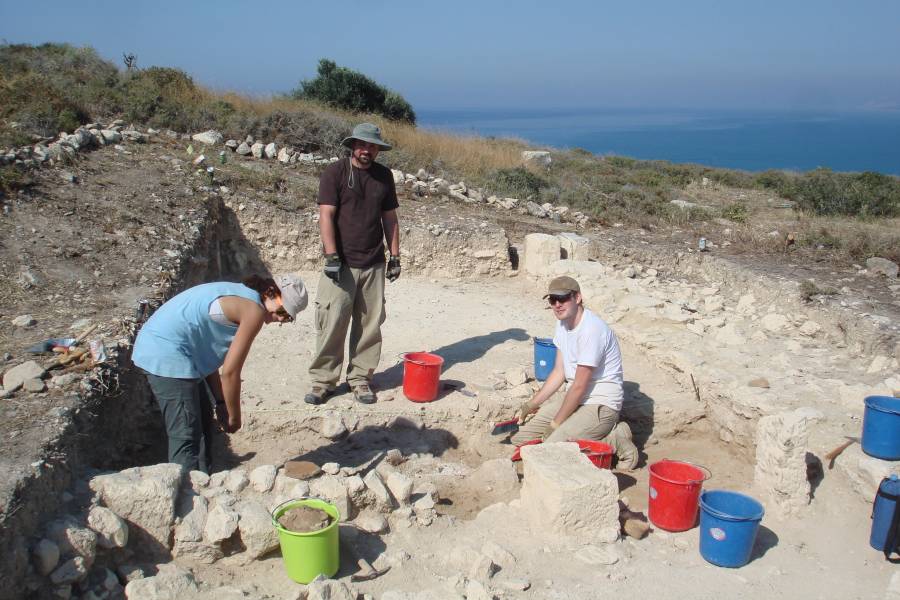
{"points": [[403, 358], [706, 472], [275, 523]]}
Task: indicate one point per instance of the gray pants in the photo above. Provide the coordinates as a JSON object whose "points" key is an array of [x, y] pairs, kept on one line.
{"points": [[357, 303], [187, 410], [588, 422]]}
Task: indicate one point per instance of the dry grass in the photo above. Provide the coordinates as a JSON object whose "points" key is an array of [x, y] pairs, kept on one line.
{"points": [[469, 157]]}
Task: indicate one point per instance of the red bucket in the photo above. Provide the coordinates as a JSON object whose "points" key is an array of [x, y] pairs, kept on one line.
{"points": [[599, 453], [421, 375], [674, 493], [517, 455]]}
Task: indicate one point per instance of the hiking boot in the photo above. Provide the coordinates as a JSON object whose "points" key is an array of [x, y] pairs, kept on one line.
{"points": [[316, 395], [626, 451], [363, 393]]}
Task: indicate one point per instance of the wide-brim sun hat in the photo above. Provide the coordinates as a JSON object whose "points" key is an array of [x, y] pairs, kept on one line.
{"points": [[366, 132], [294, 297]]}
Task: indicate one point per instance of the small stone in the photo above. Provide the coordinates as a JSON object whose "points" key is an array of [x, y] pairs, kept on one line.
{"points": [[331, 468], [333, 426], [371, 522], [263, 478], [46, 556], [34, 385], [111, 529], [236, 481], [69, 572], [595, 555], [759, 382], [514, 585], [24, 321], [301, 469], [394, 457], [400, 486]]}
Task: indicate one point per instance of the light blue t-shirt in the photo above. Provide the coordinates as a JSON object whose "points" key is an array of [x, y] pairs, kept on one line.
{"points": [[181, 339]]}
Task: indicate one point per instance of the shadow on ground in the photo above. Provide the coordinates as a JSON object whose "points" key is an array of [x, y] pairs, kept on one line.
{"points": [[463, 351], [373, 441]]}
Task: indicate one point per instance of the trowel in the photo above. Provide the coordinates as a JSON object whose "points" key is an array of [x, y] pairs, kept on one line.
{"points": [[502, 427]]}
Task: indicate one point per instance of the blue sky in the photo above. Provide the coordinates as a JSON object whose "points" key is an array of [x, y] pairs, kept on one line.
{"points": [[820, 54]]}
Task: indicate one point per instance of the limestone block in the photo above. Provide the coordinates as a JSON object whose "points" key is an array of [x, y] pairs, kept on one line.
{"points": [[255, 526], [257, 150], [74, 569], [333, 425], [19, 374], [541, 250], [356, 488], [371, 522], [781, 445], [864, 472], [46, 556], [112, 531], [332, 488], [193, 510], [221, 523], [328, 589], [236, 481], [198, 479], [210, 138], [882, 266], [574, 246], [202, 552], [400, 486], [170, 583], [73, 539], [538, 158], [284, 155], [144, 497], [566, 494], [244, 149], [380, 492], [263, 478], [271, 150]]}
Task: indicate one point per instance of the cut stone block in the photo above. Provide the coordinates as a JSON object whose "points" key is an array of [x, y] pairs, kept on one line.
{"points": [[781, 445], [144, 497], [574, 246], [541, 250], [566, 494]]}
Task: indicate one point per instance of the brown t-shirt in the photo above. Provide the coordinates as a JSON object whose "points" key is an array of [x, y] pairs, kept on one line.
{"points": [[360, 235]]}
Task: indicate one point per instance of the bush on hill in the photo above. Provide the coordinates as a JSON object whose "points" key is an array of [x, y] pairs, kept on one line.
{"points": [[351, 90]]}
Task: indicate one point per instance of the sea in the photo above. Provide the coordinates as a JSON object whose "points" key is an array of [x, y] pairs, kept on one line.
{"points": [[746, 140]]}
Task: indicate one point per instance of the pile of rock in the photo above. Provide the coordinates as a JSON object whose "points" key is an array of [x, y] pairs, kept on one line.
{"points": [[250, 147], [424, 184], [148, 513], [52, 150]]}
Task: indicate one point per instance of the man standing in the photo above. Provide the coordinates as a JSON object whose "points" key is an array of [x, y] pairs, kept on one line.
{"points": [[357, 213], [589, 362]]}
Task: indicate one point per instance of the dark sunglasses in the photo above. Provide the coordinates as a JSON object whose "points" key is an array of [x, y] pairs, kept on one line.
{"points": [[284, 315], [559, 299]]}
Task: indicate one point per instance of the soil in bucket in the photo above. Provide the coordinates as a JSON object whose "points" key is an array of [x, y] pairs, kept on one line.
{"points": [[304, 519], [315, 550]]}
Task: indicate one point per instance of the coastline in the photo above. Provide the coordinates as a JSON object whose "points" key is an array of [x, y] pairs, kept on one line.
{"points": [[749, 140]]}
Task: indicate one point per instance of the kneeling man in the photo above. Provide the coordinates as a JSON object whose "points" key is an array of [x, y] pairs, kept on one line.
{"points": [[589, 362]]}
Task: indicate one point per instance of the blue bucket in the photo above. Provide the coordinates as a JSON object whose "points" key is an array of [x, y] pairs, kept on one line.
{"points": [[881, 427], [729, 522], [544, 357]]}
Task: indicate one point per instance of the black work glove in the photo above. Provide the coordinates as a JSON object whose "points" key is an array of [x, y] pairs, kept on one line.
{"points": [[393, 269], [333, 267]]}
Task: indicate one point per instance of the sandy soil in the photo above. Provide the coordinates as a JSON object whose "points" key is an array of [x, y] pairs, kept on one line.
{"points": [[485, 328]]}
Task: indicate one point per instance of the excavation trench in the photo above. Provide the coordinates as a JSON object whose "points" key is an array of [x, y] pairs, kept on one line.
{"points": [[457, 299]]}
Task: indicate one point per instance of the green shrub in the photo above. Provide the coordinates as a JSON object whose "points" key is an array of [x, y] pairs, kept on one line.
{"points": [[351, 90], [865, 194], [518, 182], [737, 212]]}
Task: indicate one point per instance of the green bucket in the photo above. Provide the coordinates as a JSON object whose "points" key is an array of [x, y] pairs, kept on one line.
{"points": [[307, 555]]}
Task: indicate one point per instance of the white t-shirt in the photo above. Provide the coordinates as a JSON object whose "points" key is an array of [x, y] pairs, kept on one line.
{"points": [[593, 344]]}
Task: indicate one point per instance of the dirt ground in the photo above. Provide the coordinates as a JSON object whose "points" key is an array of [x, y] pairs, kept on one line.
{"points": [[822, 554], [87, 251]]}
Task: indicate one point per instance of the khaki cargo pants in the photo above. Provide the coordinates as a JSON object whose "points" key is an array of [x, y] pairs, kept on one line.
{"points": [[357, 303], [588, 422]]}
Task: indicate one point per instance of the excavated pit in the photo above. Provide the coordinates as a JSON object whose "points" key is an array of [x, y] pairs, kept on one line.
{"points": [[482, 326]]}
